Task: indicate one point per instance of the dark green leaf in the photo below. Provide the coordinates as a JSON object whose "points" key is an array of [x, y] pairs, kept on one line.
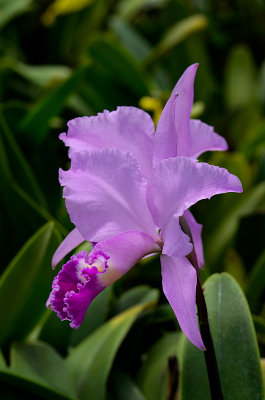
{"points": [[91, 360], [26, 283], [153, 375], [39, 362], [235, 345], [36, 123]]}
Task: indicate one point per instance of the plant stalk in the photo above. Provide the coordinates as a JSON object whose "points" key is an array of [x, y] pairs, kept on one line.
{"points": [[209, 353]]}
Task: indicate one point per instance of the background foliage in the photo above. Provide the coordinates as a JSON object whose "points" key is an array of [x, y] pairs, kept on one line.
{"points": [[61, 59]]}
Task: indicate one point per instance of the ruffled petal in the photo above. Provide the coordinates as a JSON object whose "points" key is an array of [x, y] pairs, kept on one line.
{"points": [[85, 276], [74, 288], [178, 183], [176, 242], [203, 138], [128, 128], [195, 230], [173, 129], [71, 241], [179, 282], [106, 195]]}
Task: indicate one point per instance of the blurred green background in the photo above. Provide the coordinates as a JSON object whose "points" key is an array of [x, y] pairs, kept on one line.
{"points": [[60, 59]]}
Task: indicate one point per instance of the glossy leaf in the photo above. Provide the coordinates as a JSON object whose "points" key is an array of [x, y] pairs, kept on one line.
{"points": [[154, 373], [240, 77], [91, 360], [26, 283], [175, 35], [122, 387], [120, 63], [35, 125], [137, 295], [226, 227], [256, 283], [235, 345], [11, 8], [40, 363]]}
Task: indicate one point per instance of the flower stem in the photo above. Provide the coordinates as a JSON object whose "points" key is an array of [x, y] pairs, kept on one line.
{"points": [[209, 353]]}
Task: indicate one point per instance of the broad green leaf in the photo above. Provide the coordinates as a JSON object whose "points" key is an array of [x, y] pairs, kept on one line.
{"points": [[35, 125], [256, 283], [235, 346], [60, 7], [42, 75], [109, 53], [25, 285], [90, 362], [259, 323], [224, 231], [40, 363], [239, 77], [153, 376], [18, 164], [122, 387], [11, 8], [131, 39], [137, 295], [14, 387], [127, 9], [175, 35]]}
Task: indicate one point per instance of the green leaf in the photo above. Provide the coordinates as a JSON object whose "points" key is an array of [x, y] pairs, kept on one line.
{"points": [[239, 77], [12, 8], [26, 283], [41, 75], [137, 295], [225, 229], [91, 360], [122, 387], [175, 35], [36, 123], [18, 164], [153, 375], [235, 346], [256, 283], [40, 363], [127, 9], [123, 67]]}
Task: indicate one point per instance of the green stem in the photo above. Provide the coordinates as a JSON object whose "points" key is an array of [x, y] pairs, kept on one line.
{"points": [[209, 353]]}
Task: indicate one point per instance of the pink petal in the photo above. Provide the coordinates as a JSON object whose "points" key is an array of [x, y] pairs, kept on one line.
{"points": [[178, 183], [176, 243], [106, 195], [173, 129], [128, 128], [124, 250], [195, 230], [179, 282], [68, 244], [85, 276], [203, 138]]}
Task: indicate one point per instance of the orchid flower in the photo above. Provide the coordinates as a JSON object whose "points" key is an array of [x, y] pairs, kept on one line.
{"points": [[126, 189]]}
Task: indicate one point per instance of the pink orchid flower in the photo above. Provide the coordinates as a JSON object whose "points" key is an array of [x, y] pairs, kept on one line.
{"points": [[126, 190]]}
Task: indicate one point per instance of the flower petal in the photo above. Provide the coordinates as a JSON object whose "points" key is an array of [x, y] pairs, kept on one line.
{"points": [[203, 138], [176, 242], [195, 230], [68, 244], [105, 194], [173, 129], [128, 128], [178, 183], [179, 282], [84, 277], [124, 251]]}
